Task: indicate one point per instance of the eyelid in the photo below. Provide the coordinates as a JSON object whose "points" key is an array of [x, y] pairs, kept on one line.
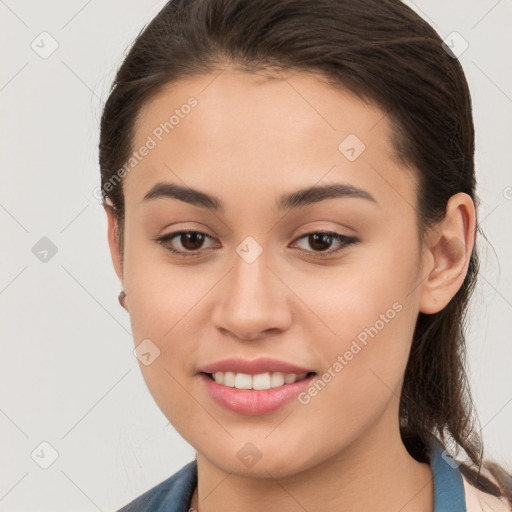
{"points": [[164, 240], [344, 241]]}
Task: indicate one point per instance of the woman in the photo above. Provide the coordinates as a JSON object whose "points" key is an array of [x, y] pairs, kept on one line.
{"points": [[290, 194]]}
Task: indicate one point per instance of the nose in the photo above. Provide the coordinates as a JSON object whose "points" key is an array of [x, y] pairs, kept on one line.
{"points": [[253, 301]]}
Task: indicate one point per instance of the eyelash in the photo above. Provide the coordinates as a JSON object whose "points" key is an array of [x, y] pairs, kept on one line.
{"points": [[343, 239]]}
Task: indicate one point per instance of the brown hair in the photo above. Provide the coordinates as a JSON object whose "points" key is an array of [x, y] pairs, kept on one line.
{"points": [[383, 52]]}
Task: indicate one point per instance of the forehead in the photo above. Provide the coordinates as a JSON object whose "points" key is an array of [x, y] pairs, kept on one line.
{"points": [[281, 132]]}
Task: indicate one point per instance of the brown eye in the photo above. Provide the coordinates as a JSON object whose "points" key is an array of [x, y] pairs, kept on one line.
{"points": [[321, 241], [192, 240], [188, 243]]}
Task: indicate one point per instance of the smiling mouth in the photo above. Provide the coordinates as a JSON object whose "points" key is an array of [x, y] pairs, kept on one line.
{"points": [[258, 382]]}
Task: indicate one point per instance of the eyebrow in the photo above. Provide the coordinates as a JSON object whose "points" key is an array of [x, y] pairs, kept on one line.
{"points": [[298, 199]]}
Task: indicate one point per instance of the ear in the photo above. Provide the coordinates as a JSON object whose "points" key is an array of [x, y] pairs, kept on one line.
{"points": [[447, 251], [113, 240]]}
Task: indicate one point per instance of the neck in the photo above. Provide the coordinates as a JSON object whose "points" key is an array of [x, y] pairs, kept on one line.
{"points": [[372, 473]]}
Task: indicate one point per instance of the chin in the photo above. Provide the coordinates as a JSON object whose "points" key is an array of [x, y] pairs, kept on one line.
{"points": [[270, 465]]}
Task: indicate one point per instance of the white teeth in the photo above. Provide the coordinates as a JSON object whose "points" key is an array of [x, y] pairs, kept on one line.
{"points": [[243, 381], [260, 381], [276, 379], [229, 379], [290, 378]]}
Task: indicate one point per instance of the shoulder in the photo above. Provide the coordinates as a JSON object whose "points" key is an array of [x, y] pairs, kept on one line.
{"points": [[480, 501], [171, 495]]}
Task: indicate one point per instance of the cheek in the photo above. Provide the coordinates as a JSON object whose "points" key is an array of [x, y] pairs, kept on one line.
{"points": [[163, 303], [166, 306], [367, 314], [365, 364], [167, 319], [160, 294]]}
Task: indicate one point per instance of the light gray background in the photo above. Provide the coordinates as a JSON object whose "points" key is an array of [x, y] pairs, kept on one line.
{"points": [[68, 373]]}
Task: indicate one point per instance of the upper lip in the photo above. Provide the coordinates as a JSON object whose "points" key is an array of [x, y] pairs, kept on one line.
{"points": [[253, 366]]}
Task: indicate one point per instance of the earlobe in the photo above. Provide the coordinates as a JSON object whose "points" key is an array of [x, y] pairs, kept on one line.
{"points": [[113, 240], [448, 251]]}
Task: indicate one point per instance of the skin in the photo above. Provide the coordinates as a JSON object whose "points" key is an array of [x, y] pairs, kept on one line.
{"points": [[249, 140]]}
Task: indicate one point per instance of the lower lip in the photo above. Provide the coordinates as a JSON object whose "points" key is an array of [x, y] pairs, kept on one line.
{"points": [[253, 402]]}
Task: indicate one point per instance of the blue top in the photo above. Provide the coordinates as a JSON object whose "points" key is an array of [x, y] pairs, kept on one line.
{"points": [[175, 493]]}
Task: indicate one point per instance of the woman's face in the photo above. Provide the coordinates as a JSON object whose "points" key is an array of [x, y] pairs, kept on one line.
{"points": [[257, 284]]}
